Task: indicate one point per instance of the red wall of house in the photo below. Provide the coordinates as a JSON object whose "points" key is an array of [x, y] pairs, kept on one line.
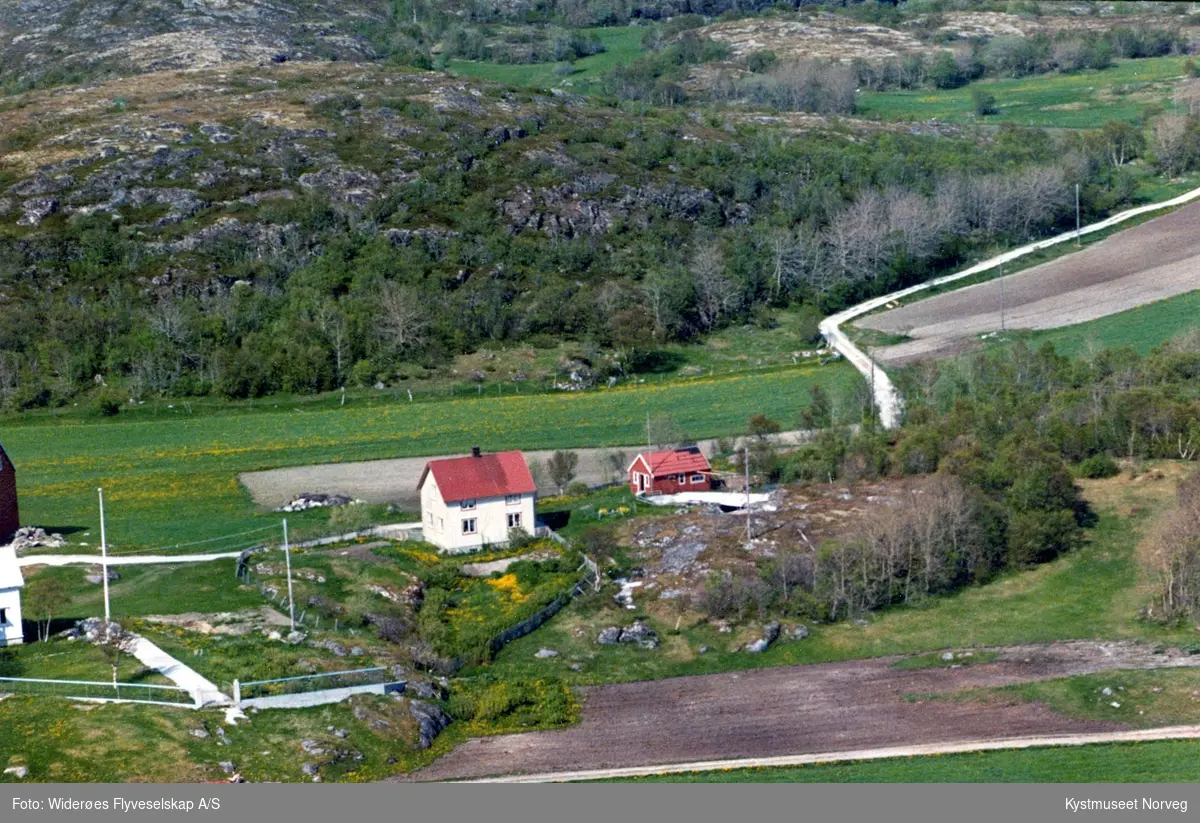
{"points": [[9, 518], [669, 485]]}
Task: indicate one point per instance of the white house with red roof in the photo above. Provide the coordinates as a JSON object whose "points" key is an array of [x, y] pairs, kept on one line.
{"points": [[471, 502], [670, 472]]}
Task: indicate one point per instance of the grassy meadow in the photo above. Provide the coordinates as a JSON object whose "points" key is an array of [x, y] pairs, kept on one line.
{"points": [[1081, 100], [1175, 761], [1141, 329], [171, 477], [622, 45]]}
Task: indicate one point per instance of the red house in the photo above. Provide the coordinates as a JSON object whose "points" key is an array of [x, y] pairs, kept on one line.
{"points": [[670, 472], [9, 520]]}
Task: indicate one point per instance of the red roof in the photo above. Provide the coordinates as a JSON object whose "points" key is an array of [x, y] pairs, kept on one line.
{"points": [[688, 460], [476, 478]]}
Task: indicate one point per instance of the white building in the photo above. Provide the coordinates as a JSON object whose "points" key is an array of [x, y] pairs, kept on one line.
{"points": [[471, 502], [10, 597]]}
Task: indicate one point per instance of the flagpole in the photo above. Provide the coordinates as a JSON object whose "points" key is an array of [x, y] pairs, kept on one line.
{"points": [[104, 559]]}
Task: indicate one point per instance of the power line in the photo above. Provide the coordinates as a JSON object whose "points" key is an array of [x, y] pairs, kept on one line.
{"points": [[198, 542]]}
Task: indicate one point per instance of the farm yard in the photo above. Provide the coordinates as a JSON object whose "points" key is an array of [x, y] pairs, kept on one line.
{"points": [[170, 480], [1145, 264]]}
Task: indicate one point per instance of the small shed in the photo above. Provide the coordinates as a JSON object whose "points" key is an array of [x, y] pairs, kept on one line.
{"points": [[670, 472], [9, 517], [11, 582]]}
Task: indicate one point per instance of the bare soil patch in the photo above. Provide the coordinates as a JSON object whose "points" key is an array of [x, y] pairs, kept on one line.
{"points": [[795, 710], [1150, 262]]}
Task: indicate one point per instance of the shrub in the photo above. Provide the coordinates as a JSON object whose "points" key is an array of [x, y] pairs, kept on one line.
{"points": [[984, 102], [1098, 466]]}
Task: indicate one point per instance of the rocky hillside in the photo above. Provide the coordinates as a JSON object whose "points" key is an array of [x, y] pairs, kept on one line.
{"points": [[62, 39]]}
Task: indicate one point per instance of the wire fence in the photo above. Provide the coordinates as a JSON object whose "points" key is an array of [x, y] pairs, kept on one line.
{"points": [[95, 690], [314, 682]]}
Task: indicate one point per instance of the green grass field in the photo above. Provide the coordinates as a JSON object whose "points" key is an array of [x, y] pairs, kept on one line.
{"points": [[174, 479], [1084, 100], [1141, 329], [1158, 762], [622, 45]]}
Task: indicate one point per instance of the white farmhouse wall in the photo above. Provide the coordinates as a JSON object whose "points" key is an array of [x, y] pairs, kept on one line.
{"points": [[10, 628], [444, 522]]}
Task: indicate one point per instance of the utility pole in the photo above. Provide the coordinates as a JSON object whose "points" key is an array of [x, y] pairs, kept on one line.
{"points": [[287, 557], [1078, 224], [104, 560], [1001, 297], [746, 460]]}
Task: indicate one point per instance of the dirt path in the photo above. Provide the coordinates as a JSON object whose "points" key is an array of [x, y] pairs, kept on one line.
{"points": [[887, 399], [395, 481], [796, 710], [857, 755]]}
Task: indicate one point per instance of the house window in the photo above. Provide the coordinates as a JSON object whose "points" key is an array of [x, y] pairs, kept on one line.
{"points": [[469, 525], [429, 517], [680, 478], [3, 617], [467, 505], [697, 478], [512, 499], [514, 520]]}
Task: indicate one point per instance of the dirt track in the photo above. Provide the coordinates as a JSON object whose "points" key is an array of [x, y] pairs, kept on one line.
{"points": [[1156, 260], [395, 481], [793, 710]]}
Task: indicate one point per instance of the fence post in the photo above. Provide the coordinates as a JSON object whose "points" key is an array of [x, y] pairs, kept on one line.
{"points": [[237, 692]]}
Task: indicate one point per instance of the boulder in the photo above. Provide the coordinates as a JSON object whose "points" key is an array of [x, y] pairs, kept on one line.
{"points": [[757, 646], [799, 632], [36, 210], [19, 772], [431, 720], [610, 636], [544, 653]]}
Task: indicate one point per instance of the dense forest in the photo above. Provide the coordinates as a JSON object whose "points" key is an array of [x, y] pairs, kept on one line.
{"points": [[367, 223]]}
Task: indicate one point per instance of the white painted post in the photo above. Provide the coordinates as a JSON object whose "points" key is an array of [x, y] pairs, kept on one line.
{"points": [[237, 692], [287, 556], [104, 563], [746, 460]]}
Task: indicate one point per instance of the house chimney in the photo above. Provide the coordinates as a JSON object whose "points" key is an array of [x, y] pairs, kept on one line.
{"points": [[475, 452]]}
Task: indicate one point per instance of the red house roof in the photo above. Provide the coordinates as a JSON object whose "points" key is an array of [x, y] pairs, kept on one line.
{"points": [[688, 460], [477, 477]]}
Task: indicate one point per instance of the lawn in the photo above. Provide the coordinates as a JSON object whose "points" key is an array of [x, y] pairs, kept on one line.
{"points": [[173, 479], [622, 45], [1141, 329], [1036, 606], [1157, 762], [1161, 697], [1083, 100]]}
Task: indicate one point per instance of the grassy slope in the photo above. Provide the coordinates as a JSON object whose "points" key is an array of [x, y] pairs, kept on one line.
{"points": [[1084, 100], [1041, 605], [175, 480], [622, 45], [1141, 329], [1165, 762]]}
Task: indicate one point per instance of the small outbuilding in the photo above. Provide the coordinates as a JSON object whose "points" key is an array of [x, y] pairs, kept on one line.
{"points": [[471, 502], [670, 472], [10, 519], [11, 582]]}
